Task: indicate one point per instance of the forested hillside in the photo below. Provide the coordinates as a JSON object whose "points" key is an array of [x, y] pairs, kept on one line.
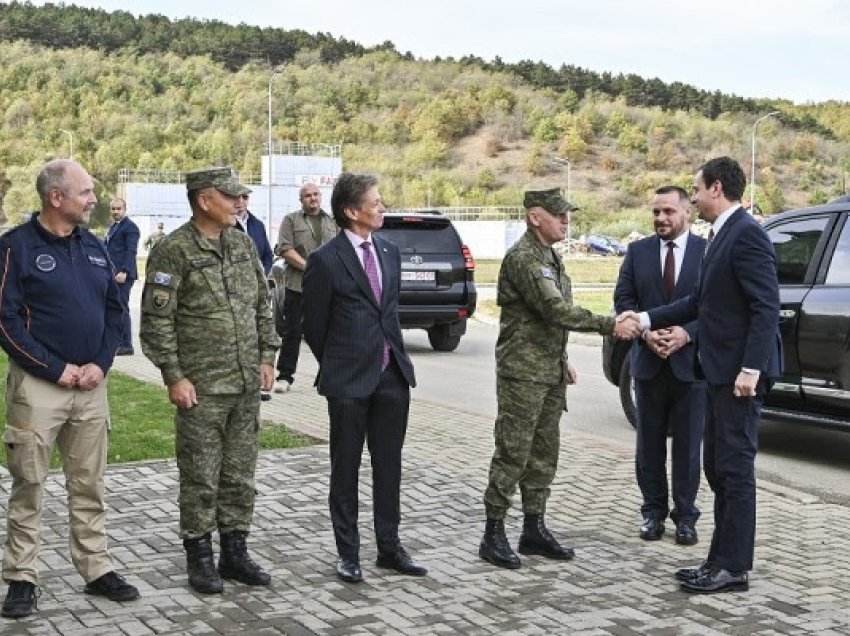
{"points": [[443, 132]]}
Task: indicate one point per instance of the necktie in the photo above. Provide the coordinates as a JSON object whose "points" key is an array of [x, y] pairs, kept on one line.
{"points": [[710, 239], [669, 270], [372, 275]]}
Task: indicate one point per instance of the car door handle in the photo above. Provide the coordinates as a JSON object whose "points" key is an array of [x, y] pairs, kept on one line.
{"points": [[784, 314]]}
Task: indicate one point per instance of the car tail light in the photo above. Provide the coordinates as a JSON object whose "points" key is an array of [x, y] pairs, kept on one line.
{"points": [[463, 313], [468, 261]]}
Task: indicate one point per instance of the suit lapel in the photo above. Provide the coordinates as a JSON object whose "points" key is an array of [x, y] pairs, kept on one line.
{"points": [[654, 259], [386, 272], [690, 264], [721, 236], [352, 263]]}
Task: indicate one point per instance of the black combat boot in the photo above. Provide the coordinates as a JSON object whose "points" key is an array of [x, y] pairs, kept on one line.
{"points": [[536, 539], [200, 564], [235, 562], [495, 547]]}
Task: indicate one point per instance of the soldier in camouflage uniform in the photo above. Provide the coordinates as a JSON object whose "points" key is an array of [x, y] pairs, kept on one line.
{"points": [[532, 372], [207, 325]]}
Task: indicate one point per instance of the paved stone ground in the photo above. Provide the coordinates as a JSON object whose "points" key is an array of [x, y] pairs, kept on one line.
{"points": [[617, 584]]}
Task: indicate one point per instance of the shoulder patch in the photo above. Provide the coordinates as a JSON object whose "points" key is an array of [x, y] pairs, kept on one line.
{"points": [[546, 272], [160, 298], [161, 278]]}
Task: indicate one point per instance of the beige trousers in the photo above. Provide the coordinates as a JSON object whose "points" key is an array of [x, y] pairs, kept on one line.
{"points": [[40, 414]]}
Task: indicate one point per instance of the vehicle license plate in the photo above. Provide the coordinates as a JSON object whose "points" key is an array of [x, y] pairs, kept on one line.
{"points": [[416, 275]]}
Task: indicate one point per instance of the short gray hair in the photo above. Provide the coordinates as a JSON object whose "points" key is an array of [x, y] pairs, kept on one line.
{"points": [[52, 177]]}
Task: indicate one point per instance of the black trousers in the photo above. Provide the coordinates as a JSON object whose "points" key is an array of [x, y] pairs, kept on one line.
{"points": [[380, 420], [666, 399], [124, 290], [290, 346], [729, 453]]}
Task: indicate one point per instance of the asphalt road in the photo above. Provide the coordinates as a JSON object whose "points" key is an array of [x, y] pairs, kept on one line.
{"points": [[804, 458]]}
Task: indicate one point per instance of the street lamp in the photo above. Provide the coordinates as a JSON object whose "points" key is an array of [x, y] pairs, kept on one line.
{"points": [[753, 177], [566, 162], [70, 142], [275, 71]]}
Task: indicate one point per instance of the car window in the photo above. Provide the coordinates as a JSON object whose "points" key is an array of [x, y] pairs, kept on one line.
{"points": [[839, 267], [794, 243], [422, 238]]}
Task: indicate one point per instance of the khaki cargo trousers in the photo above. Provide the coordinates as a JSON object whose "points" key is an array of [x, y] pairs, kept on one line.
{"points": [[40, 414]]}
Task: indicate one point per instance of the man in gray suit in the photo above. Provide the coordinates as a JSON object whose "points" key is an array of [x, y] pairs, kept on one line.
{"points": [[350, 307]]}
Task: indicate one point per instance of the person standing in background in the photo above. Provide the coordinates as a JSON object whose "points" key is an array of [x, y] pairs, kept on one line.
{"points": [[122, 244]]}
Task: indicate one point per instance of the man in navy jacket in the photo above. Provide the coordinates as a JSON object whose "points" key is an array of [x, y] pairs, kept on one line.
{"points": [[254, 228], [656, 271], [122, 244], [740, 351]]}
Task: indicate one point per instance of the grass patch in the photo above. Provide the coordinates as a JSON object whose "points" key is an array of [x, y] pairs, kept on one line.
{"points": [[143, 422], [581, 269], [599, 302]]}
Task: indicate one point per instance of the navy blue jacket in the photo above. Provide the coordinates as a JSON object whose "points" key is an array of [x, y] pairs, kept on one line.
{"points": [[257, 232], [640, 287], [59, 302], [344, 325], [122, 243], [736, 302]]}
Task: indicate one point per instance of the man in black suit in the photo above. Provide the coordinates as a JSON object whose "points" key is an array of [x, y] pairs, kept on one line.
{"points": [[736, 302], [122, 244], [350, 319], [656, 271]]}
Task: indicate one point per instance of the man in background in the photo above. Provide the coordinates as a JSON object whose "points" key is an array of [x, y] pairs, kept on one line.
{"points": [[122, 244], [61, 317], [657, 270], [155, 237], [254, 227], [301, 233]]}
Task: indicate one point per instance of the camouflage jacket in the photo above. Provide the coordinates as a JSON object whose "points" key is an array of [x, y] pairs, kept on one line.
{"points": [[537, 314], [205, 311]]}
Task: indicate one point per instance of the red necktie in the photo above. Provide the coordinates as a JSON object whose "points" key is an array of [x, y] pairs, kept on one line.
{"points": [[670, 270], [372, 275]]}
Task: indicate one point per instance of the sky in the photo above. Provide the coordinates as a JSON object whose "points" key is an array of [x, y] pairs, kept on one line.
{"points": [[789, 49]]}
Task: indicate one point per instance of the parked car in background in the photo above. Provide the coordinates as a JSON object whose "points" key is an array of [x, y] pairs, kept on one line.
{"points": [[605, 245], [812, 248], [437, 276]]}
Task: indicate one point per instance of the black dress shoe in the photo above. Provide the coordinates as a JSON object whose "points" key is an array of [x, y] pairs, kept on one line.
{"points": [[124, 351], [717, 580], [20, 599], [686, 533], [651, 529], [689, 574], [401, 562], [348, 570]]}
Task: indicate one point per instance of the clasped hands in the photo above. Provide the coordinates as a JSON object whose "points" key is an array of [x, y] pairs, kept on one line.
{"points": [[86, 377], [663, 342]]}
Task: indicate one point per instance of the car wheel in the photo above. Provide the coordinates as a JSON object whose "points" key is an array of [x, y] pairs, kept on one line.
{"points": [[441, 339], [627, 392]]}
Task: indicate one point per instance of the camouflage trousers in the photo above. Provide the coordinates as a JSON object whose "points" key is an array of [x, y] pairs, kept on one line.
{"points": [[527, 442], [216, 444]]}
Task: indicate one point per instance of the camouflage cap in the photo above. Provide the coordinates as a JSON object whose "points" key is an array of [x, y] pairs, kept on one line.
{"points": [[550, 200], [222, 179]]}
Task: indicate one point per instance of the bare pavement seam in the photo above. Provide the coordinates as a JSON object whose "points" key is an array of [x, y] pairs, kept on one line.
{"points": [[616, 585]]}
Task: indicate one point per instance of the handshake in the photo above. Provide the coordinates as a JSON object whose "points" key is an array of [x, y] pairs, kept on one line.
{"points": [[627, 326], [663, 342]]}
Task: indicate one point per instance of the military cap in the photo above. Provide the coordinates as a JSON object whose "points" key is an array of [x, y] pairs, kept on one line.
{"points": [[222, 179], [550, 200]]}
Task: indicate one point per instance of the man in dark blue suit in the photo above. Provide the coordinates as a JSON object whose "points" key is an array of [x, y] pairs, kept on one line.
{"points": [[656, 271], [254, 227], [350, 319], [736, 302], [122, 244]]}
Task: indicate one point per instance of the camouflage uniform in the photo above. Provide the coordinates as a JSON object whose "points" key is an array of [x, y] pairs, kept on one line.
{"points": [[205, 317], [531, 366]]}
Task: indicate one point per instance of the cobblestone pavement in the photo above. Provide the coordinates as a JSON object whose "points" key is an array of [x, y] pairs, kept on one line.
{"points": [[616, 585]]}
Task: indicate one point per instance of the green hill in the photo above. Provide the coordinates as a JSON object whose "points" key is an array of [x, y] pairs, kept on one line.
{"points": [[439, 132]]}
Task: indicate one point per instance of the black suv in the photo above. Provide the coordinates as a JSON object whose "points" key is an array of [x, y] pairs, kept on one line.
{"points": [[437, 275], [813, 259]]}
